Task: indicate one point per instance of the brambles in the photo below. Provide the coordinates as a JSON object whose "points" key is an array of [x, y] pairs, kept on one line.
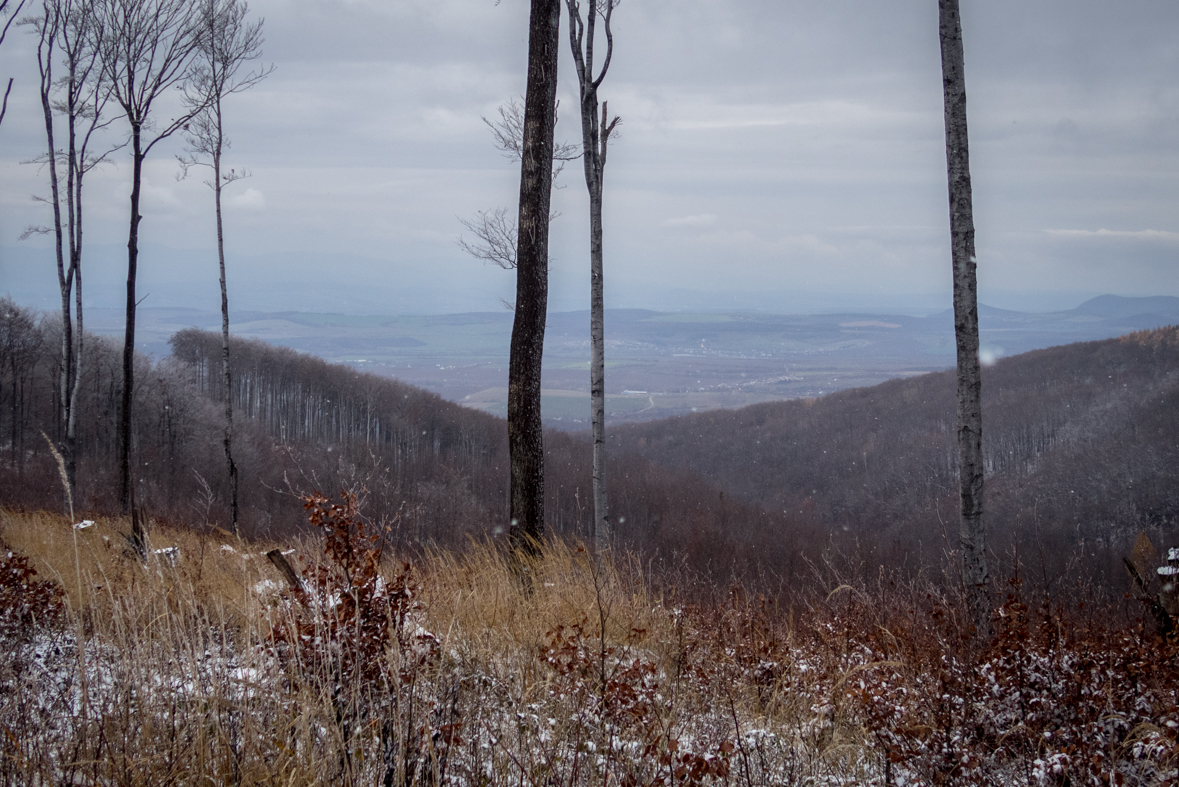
{"points": [[351, 638], [1055, 698], [26, 604]]}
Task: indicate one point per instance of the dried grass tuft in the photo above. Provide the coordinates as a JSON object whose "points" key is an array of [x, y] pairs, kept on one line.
{"points": [[200, 668]]}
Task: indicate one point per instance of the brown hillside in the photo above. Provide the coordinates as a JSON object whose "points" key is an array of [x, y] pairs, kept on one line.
{"points": [[1081, 443]]}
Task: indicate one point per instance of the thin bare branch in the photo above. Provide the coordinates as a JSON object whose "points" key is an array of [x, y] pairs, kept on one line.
{"points": [[146, 49], [508, 134], [11, 18], [4, 106], [609, 11], [35, 230], [495, 237]]}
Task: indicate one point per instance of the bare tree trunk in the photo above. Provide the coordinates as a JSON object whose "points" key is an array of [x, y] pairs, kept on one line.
{"points": [[79, 349], [598, 370], [145, 49], [227, 439], [52, 30], [81, 98], [595, 138], [970, 460], [525, 436], [129, 327], [63, 280], [69, 382], [225, 43], [78, 165]]}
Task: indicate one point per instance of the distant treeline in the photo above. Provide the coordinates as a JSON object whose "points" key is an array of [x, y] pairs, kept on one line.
{"points": [[430, 471]]}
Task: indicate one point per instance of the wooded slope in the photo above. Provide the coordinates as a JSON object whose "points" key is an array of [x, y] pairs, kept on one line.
{"points": [[428, 470], [1081, 444]]}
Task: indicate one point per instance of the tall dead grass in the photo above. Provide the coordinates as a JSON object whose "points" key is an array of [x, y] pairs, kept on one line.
{"points": [[197, 667]]}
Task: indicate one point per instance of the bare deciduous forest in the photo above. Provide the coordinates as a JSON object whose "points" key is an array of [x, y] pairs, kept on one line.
{"points": [[240, 564], [1080, 455], [432, 471], [748, 494]]}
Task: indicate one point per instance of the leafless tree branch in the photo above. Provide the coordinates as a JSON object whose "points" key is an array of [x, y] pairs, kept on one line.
{"points": [[30, 231], [4, 106], [495, 237], [508, 134], [4, 4], [495, 230]]}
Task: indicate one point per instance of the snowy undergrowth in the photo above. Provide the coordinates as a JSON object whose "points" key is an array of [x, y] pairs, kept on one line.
{"points": [[467, 670]]}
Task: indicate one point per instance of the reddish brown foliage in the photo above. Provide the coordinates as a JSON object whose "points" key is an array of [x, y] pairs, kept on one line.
{"points": [[26, 603]]}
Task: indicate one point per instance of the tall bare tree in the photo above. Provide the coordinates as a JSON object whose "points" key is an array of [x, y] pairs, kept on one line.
{"points": [[79, 97], [970, 459], [146, 48], [525, 435], [227, 43], [595, 136], [10, 9]]}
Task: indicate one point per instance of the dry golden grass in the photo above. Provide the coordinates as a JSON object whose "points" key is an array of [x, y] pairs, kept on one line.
{"points": [[539, 674], [458, 671], [477, 597], [95, 563]]}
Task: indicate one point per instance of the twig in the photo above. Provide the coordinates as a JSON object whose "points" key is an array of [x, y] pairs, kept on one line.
{"points": [[4, 106], [740, 743]]}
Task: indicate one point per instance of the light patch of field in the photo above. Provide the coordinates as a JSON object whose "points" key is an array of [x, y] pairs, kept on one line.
{"points": [[869, 324], [566, 407], [691, 317], [584, 365]]}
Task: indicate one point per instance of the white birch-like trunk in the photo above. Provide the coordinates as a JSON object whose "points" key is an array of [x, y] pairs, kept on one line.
{"points": [[595, 138]]}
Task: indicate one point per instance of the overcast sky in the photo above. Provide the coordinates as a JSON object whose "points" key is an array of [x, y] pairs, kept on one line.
{"points": [[775, 154]]}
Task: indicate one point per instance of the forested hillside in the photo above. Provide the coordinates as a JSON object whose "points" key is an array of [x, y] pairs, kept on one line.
{"points": [[430, 471], [1081, 445], [1082, 450]]}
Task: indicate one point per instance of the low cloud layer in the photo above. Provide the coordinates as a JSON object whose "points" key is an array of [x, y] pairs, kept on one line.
{"points": [[772, 155]]}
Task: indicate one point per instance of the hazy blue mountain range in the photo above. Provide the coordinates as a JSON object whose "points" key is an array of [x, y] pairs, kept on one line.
{"points": [[659, 363]]}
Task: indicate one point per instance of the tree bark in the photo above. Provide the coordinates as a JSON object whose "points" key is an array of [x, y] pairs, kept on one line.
{"points": [[595, 137], [598, 371], [970, 460], [525, 437], [145, 49], [227, 438], [125, 480]]}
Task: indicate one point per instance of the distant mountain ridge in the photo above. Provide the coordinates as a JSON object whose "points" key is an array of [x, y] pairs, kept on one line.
{"points": [[336, 337], [685, 361], [1118, 306]]}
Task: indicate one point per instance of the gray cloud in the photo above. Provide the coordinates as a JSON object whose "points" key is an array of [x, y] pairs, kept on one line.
{"points": [[774, 154]]}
